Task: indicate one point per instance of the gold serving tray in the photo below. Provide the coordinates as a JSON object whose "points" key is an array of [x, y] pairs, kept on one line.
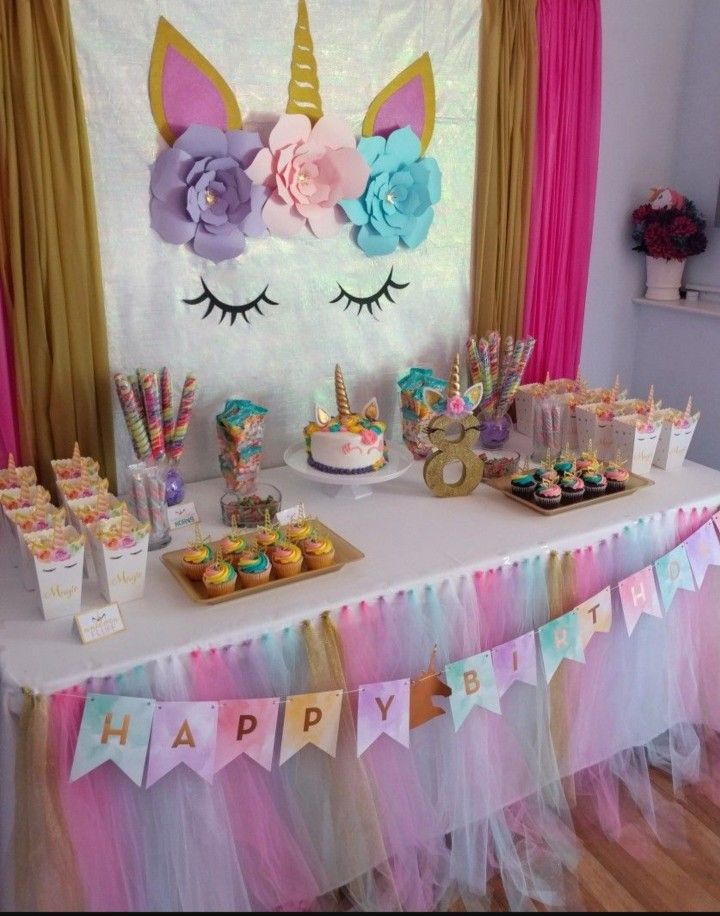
{"points": [[634, 484], [344, 553]]}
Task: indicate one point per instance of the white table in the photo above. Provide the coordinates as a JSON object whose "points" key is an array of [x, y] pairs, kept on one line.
{"points": [[408, 536]]}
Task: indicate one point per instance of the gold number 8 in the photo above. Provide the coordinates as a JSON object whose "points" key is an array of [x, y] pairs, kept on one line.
{"points": [[448, 450]]}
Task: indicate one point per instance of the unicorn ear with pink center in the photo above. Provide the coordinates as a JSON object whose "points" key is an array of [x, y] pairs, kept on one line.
{"points": [[217, 184]]}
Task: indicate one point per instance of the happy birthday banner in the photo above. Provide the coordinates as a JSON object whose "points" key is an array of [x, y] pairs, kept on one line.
{"points": [[149, 738]]}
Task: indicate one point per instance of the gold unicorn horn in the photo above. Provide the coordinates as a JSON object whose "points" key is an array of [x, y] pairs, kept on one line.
{"points": [[453, 389], [343, 404], [304, 87]]}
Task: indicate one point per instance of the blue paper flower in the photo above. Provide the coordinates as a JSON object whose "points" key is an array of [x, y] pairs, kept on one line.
{"points": [[397, 202]]}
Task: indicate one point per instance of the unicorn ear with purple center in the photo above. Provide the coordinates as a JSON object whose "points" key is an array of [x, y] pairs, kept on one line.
{"points": [[217, 184]]}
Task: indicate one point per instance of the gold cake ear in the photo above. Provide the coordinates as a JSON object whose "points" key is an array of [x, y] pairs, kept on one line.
{"points": [[322, 417], [371, 409]]}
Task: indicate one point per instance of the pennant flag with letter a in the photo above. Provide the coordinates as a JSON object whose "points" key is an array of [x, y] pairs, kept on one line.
{"points": [[114, 728], [183, 733]]}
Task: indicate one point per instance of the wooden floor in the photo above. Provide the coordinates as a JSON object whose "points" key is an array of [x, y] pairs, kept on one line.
{"points": [[638, 874]]}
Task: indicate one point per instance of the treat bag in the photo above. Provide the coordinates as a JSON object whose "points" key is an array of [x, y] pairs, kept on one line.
{"points": [[674, 443], [594, 432], [635, 446], [120, 571], [240, 434], [59, 585]]}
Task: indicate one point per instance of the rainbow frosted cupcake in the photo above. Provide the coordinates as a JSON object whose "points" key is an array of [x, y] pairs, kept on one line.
{"points": [[253, 568], [319, 552], [232, 546], [595, 483], [617, 478], [219, 578], [297, 531], [286, 559], [548, 494], [523, 484], [267, 537], [195, 559], [572, 488]]}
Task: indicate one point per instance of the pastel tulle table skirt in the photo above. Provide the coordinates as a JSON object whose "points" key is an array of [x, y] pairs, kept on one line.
{"points": [[397, 828]]}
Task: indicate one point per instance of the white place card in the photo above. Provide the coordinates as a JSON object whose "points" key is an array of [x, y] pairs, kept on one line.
{"points": [[182, 516], [97, 624], [288, 515]]}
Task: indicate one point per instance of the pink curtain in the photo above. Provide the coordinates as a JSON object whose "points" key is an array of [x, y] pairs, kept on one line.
{"points": [[8, 420], [564, 177]]}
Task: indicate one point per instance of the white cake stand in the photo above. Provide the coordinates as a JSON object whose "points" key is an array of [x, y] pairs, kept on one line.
{"points": [[348, 486]]}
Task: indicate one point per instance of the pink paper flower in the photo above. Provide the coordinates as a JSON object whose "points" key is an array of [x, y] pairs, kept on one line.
{"points": [[308, 170], [456, 406]]}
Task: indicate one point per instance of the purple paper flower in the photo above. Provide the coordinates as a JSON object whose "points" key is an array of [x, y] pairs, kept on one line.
{"points": [[201, 192]]}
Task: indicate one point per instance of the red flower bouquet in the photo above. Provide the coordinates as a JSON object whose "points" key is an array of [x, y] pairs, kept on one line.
{"points": [[669, 226]]}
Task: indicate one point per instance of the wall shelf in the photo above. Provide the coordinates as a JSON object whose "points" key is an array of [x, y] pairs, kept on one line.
{"points": [[682, 306]]}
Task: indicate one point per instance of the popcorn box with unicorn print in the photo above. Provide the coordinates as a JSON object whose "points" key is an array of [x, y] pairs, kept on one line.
{"points": [[81, 487], [13, 476], [120, 549], [29, 521], [72, 468], [89, 509], [677, 430], [57, 558], [23, 497], [569, 403], [594, 423], [636, 438]]}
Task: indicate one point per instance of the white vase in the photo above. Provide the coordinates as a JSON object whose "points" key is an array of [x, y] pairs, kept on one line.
{"points": [[663, 278]]}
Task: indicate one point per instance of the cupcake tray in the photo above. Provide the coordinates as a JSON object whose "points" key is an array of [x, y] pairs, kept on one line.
{"points": [[634, 484], [345, 552]]}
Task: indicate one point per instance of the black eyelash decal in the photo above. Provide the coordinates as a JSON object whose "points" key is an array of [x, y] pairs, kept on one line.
{"points": [[225, 308], [370, 302]]}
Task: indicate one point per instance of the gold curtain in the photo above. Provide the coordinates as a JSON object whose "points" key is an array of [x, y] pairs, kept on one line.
{"points": [[49, 237], [506, 119]]}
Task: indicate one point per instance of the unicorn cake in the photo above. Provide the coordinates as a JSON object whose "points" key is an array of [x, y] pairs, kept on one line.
{"points": [[349, 443]]}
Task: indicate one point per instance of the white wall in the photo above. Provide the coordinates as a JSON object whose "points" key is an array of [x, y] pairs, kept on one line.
{"points": [[680, 352], [697, 152], [645, 44]]}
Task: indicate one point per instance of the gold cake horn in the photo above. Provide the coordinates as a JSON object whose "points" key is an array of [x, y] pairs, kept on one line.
{"points": [[453, 389], [343, 405], [304, 86]]}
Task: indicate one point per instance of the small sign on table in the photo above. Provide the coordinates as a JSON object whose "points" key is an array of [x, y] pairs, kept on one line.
{"points": [[182, 516], [97, 624]]}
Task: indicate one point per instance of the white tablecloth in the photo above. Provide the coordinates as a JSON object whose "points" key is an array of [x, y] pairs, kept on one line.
{"points": [[408, 536]]}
